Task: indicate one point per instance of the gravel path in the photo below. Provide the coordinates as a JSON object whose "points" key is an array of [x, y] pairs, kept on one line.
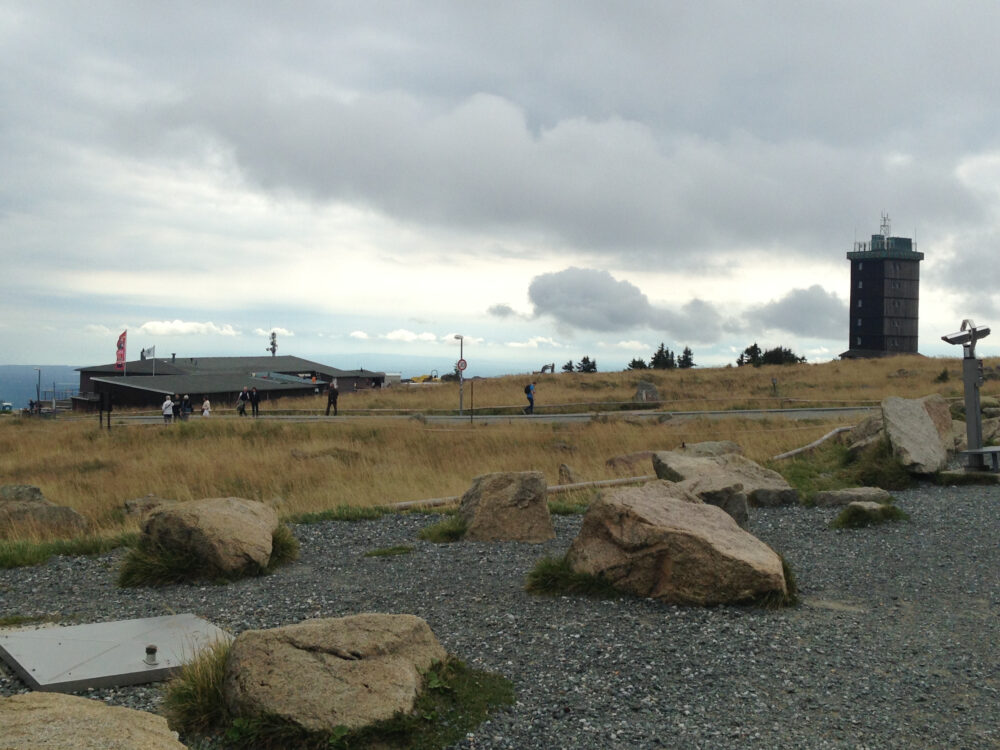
{"points": [[895, 645]]}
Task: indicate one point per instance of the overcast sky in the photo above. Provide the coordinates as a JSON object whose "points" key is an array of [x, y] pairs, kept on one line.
{"points": [[548, 179]]}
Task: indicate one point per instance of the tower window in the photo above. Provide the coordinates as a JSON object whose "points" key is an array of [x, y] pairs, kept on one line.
{"points": [[860, 265], [859, 303], [859, 322], [859, 284], [858, 341]]}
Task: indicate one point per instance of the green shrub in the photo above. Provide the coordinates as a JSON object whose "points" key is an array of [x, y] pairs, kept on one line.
{"points": [[876, 466], [854, 517], [451, 529], [553, 576]]}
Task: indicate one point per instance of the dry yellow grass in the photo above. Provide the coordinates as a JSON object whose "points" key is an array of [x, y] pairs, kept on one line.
{"points": [[313, 466]]}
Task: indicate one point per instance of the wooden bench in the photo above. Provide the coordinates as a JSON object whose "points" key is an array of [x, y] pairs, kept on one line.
{"points": [[993, 451]]}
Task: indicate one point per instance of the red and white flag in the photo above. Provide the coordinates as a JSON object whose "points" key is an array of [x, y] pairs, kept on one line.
{"points": [[120, 356]]}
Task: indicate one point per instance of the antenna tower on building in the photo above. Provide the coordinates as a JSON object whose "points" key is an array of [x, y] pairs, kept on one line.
{"points": [[273, 348]]}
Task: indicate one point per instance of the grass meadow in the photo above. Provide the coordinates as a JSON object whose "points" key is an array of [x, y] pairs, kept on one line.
{"points": [[369, 460]]}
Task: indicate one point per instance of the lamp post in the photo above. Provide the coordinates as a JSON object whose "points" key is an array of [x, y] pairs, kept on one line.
{"points": [[461, 370]]}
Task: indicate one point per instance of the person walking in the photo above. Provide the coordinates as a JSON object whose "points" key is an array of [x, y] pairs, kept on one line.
{"points": [[206, 407], [186, 407], [254, 401], [176, 407], [331, 398], [529, 393], [241, 402], [168, 410]]}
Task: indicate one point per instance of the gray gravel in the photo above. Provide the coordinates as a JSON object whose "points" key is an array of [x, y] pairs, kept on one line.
{"points": [[895, 645]]}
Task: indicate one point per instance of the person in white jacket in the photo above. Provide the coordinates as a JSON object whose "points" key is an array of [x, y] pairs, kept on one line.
{"points": [[168, 410]]}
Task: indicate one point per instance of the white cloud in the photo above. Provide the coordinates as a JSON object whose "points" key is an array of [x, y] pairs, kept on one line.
{"points": [[534, 343], [631, 345], [185, 328], [401, 334], [278, 331], [97, 329], [360, 335]]}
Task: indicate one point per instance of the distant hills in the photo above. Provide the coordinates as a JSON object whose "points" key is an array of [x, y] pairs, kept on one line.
{"points": [[18, 383]]}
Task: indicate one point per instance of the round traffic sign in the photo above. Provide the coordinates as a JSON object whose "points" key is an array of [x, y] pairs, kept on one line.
{"points": [[462, 364]]}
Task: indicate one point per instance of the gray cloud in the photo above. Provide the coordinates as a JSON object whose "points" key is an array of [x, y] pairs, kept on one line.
{"points": [[589, 299], [501, 310], [812, 312]]}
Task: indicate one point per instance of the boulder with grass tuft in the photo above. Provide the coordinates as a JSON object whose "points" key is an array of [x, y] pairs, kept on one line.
{"points": [[659, 541], [219, 538], [507, 506], [324, 674]]}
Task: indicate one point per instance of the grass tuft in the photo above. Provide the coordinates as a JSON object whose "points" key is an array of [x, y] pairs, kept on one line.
{"points": [[451, 529], [399, 549], [284, 548], [553, 576], [776, 599], [23, 553], [341, 513], [563, 508], [148, 564], [853, 517], [193, 699]]}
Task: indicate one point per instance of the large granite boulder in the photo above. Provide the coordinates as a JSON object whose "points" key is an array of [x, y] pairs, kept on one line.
{"points": [[53, 720], [921, 431], [763, 487], [831, 498], [25, 508], [723, 492], [914, 436], [507, 506], [321, 674], [230, 535], [657, 541]]}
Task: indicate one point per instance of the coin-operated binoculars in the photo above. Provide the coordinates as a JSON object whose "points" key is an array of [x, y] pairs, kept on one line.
{"points": [[972, 378]]}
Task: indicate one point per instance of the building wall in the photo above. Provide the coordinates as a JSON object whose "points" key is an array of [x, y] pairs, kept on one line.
{"points": [[885, 302]]}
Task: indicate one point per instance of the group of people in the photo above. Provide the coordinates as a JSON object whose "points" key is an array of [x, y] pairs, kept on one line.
{"points": [[251, 397], [178, 409]]}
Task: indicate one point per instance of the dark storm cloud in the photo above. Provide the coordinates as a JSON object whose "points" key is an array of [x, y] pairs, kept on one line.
{"points": [[593, 300], [812, 312]]}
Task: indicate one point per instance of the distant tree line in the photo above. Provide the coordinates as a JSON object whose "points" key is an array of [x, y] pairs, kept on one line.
{"points": [[586, 364], [779, 355], [664, 359]]}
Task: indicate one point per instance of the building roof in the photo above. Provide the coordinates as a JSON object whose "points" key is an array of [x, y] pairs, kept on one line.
{"points": [[233, 365]]}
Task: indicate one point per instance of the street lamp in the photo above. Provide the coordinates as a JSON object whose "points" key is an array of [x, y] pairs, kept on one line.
{"points": [[461, 369]]}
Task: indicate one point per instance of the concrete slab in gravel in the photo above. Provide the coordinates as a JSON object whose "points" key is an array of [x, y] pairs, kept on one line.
{"points": [[105, 654]]}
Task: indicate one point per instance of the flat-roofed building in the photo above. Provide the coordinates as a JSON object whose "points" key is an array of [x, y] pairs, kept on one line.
{"points": [[885, 296]]}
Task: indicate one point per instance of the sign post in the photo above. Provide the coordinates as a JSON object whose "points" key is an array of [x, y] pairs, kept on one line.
{"points": [[460, 366]]}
